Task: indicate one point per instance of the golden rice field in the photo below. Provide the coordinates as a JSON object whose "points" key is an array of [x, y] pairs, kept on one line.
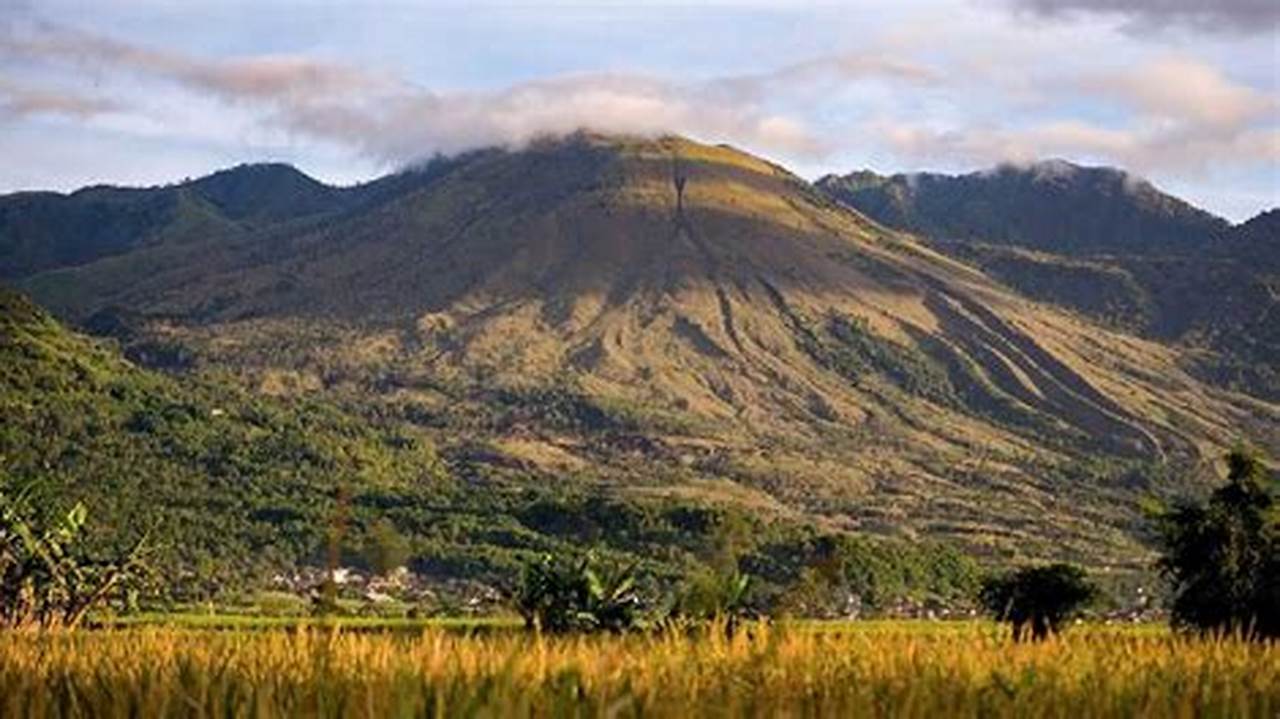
{"points": [[896, 669]]}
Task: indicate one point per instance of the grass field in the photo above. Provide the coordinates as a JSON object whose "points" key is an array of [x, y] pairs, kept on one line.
{"points": [[808, 669]]}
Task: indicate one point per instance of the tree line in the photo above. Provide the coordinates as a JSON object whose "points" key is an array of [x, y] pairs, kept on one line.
{"points": [[1221, 557]]}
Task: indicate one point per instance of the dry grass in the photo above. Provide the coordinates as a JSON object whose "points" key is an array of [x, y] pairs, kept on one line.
{"points": [[891, 669]]}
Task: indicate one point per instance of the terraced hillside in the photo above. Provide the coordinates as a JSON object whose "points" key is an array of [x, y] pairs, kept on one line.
{"points": [[683, 320], [1109, 245]]}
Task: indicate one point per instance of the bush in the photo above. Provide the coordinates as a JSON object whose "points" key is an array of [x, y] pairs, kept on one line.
{"points": [[1042, 597], [714, 594]]}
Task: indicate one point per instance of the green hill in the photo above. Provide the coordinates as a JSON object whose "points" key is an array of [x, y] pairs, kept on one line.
{"points": [[1054, 206]]}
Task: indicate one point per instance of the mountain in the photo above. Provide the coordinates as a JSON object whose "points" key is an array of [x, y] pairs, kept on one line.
{"points": [[678, 320], [1255, 240], [46, 230], [1108, 245], [1054, 206]]}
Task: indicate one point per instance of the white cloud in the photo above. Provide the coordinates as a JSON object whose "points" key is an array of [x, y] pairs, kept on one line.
{"points": [[1184, 90], [394, 121], [948, 86], [20, 101]]}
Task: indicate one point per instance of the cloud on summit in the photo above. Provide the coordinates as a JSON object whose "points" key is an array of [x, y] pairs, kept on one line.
{"points": [[395, 121]]}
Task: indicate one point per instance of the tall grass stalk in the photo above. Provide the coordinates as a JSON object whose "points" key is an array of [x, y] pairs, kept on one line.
{"points": [[845, 670]]}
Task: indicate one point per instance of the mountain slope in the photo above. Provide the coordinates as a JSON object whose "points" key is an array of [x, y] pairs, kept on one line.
{"points": [[688, 320], [1109, 245], [1053, 206], [234, 488], [225, 474]]}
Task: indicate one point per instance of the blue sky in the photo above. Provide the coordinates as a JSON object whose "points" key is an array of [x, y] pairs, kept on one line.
{"points": [[1183, 92]]}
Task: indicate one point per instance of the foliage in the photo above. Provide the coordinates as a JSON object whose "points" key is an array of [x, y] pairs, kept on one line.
{"points": [[562, 594], [874, 572], [711, 595], [47, 579], [1042, 597], [1223, 556], [240, 487], [386, 549]]}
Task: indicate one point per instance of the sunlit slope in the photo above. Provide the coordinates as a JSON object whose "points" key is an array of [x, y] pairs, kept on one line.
{"points": [[784, 349]]}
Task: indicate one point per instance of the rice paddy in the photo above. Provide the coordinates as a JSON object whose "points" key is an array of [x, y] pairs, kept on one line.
{"points": [[899, 669]]}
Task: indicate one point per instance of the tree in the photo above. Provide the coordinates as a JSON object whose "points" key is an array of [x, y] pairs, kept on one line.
{"points": [[559, 594], [713, 594], [1223, 556], [1041, 597], [47, 577], [385, 550], [720, 590]]}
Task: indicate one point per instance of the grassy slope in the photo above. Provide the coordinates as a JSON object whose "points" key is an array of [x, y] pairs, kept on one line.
{"points": [[237, 486], [1116, 250]]}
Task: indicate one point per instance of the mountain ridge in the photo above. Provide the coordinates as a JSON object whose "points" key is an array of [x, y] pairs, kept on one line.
{"points": [[1052, 205]]}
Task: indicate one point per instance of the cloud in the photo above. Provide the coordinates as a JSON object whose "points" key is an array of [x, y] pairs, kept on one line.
{"points": [[1183, 90], [1173, 116], [969, 90], [1225, 16], [1148, 149], [396, 122], [820, 74], [264, 77], [21, 101], [410, 124]]}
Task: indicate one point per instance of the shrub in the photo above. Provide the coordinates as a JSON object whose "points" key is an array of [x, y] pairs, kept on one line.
{"points": [[1041, 597]]}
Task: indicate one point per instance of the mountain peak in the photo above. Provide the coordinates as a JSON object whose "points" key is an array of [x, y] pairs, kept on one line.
{"points": [[263, 191]]}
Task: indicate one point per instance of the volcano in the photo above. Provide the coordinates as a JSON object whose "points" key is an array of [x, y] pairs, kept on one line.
{"points": [[731, 331]]}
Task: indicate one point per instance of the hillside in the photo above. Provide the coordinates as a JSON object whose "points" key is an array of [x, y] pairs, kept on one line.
{"points": [[225, 473], [234, 488], [1108, 245], [1055, 206], [678, 320]]}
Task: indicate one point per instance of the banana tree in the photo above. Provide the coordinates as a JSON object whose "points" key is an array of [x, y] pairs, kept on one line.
{"points": [[46, 579], [558, 594]]}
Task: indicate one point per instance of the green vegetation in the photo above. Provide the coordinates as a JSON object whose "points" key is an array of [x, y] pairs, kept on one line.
{"points": [[848, 346], [559, 595], [236, 488], [47, 578], [1223, 556], [1038, 598]]}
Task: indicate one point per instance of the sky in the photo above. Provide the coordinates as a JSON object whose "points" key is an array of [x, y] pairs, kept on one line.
{"points": [[1183, 92]]}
